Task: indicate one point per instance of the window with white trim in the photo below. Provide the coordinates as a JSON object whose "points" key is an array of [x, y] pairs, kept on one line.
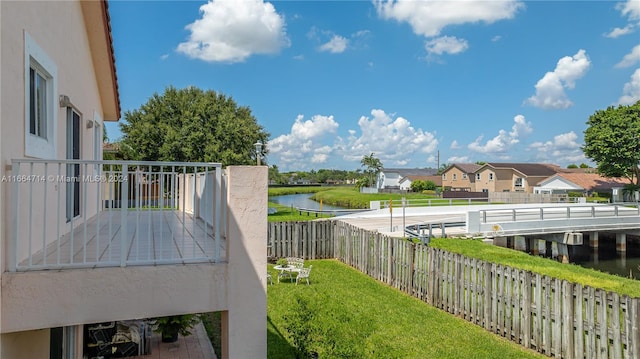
{"points": [[477, 176], [464, 176], [40, 101], [455, 176], [490, 176]]}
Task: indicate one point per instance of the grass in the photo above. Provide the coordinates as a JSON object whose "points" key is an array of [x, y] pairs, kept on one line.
{"points": [[350, 197], [552, 268], [346, 314], [213, 325], [287, 214], [282, 191]]}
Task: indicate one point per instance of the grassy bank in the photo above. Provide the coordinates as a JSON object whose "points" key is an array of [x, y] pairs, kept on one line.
{"points": [[351, 197], [346, 314], [552, 268], [282, 191], [288, 214]]}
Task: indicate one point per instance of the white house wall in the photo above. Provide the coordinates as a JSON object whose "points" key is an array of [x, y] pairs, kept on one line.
{"points": [[62, 36]]}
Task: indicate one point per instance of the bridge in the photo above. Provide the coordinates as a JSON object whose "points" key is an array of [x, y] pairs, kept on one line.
{"points": [[516, 225]]}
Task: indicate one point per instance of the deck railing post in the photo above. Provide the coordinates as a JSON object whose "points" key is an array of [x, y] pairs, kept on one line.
{"points": [[124, 209], [13, 243], [218, 196]]}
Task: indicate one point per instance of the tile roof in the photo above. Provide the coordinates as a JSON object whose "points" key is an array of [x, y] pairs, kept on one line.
{"points": [[467, 167], [529, 169], [403, 172], [593, 181]]}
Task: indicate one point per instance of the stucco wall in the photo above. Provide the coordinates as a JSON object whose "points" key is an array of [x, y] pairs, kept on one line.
{"points": [[247, 226], [33, 344], [62, 36]]}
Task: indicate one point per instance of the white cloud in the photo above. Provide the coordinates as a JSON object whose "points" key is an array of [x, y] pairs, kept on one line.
{"points": [[563, 148], [164, 56], [457, 159], [311, 142], [496, 38], [631, 90], [454, 145], [521, 128], [620, 31], [631, 10], [336, 45], [446, 45], [299, 57], [630, 59], [504, 140], [550, 90], [394, 141], [304, 143], [231, 31], [428, 18]]}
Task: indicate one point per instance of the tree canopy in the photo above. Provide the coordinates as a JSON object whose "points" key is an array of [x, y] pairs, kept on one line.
{"points": [[612, 140], [192, 125]]}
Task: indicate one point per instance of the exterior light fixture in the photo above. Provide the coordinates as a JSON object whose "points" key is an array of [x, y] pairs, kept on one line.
{"points": [[258, 151]]}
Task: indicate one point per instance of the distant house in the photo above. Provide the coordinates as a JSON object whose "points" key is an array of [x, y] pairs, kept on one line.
{"points": [[460, 176], [389, 178], [497, 177], [587, 183], [406, 181]]}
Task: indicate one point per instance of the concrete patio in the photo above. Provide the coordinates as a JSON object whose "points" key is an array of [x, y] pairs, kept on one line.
{"points": [[195, 346]]}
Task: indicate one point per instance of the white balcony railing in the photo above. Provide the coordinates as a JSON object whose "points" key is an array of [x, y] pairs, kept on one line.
{"points": [[79, 214]]}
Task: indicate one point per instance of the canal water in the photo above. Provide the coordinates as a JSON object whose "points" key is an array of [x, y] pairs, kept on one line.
{"points": [[302, 200], [606, 259]]}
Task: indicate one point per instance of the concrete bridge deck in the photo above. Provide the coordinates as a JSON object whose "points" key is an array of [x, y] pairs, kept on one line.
{"points": [[502, 220]]}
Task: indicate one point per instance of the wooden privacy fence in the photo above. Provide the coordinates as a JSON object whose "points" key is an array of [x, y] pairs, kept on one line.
{"points": [[554, 317], [307, 239]]}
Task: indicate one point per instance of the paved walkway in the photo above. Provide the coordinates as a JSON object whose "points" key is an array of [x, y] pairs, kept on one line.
{"points": [[195, 346]]}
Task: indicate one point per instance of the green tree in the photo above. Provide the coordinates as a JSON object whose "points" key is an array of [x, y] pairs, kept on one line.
{"points": [[192, 125], [418, 186], [612, 140], [372, 165], [573, 165]]}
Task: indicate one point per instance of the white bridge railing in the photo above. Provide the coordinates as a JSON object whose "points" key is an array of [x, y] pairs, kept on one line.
{"points": [[553, 219], [80, 213]]}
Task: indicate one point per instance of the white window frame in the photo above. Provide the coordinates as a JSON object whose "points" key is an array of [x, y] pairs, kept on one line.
{"points": [[35, 57], [478, 177], [491, 176], [455, 177], [444, 176], [464, 176], [521, 182]]}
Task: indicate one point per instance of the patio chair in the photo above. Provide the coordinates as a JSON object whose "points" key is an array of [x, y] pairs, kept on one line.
{"points": [[296, 263], [269, 278], [304, 274]]}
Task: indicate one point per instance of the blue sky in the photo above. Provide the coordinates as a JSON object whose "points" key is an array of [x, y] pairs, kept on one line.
{"points": [[331, 81]]}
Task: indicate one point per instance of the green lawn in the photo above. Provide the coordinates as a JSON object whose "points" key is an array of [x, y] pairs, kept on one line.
{"points": [[346, 314], [287, 214], [350, 197], [552, 268]]}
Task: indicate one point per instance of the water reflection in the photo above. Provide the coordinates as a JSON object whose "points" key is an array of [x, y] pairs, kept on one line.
{"points": [[300, 201], [606, 259]]}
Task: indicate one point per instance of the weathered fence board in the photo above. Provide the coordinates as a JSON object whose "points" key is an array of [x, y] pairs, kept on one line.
{"points": [[553, 317]]}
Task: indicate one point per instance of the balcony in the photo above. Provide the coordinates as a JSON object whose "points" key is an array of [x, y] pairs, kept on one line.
{"points": [[87, 214]]}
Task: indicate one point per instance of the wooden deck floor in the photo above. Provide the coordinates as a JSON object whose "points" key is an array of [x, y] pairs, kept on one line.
{"points": [[146, 237]]}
